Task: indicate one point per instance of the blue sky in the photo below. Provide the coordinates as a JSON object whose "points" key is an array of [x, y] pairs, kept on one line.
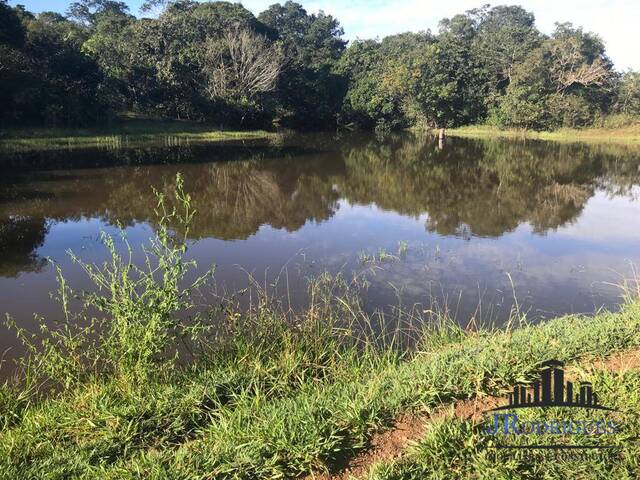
{"points": [[616, 21]]}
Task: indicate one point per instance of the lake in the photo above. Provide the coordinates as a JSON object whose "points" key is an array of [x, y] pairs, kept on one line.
{"points": [[469, 227]]}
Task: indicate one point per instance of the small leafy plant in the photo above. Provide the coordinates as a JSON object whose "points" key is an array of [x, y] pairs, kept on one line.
{"points": [[134, 316]]}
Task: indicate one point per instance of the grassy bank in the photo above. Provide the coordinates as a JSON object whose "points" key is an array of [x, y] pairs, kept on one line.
{"points": [[265, 392], [628, 134], [286, 402], [122, 133]]}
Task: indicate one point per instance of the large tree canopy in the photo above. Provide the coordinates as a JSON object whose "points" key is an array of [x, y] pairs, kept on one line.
{"points": [[567, 81], [309, 91]]}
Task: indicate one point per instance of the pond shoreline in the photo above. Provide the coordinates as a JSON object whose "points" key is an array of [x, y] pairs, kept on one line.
{"points": [[125, 132], [629, 134], [137, 133]]}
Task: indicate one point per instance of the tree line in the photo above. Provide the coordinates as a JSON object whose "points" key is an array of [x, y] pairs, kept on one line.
{"points": [[219, 63]]}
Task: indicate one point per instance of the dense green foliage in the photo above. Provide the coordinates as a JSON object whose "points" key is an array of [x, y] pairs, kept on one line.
{"points": [[217, 62], [203, 61]]}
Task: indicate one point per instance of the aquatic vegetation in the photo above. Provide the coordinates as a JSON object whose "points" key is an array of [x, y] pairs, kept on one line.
{"points": [[384, 256], [364, 257]]}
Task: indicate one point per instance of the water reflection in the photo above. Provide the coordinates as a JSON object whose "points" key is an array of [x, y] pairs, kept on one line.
{"points": [[486, 188], [331, 198], [20, 237]]}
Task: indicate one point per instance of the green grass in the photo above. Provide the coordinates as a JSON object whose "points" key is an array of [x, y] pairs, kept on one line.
{"points": [[627, 134], [280, 402], [122, 133], [267, 393]]}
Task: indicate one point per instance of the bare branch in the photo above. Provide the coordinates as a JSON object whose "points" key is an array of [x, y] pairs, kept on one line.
{"points": [[241, 65], [569, 67]]}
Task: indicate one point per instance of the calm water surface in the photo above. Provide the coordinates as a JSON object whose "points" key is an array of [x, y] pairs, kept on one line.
{"points": [[556, 225]]}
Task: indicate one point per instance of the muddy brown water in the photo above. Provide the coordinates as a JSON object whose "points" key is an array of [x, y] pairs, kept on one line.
{"points": [[468, 227]]}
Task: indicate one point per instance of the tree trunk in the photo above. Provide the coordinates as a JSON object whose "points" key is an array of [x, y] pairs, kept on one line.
{"points": [[441, 137]]}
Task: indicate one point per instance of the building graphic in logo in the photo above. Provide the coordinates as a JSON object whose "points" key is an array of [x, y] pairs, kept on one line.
{"points": [[551, 390], [562, 415]]}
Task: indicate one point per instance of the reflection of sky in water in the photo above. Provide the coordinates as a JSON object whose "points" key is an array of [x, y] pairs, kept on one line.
{"points": [[566, 270], [586, 247], [562, 271]]}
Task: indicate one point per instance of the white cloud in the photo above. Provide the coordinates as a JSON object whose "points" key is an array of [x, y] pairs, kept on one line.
{"points": [[614, 20]]}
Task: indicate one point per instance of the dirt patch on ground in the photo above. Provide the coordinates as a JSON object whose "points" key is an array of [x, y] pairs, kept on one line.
{"points": [[474, 408], [392, 443], [621, 362], [385, 445]]}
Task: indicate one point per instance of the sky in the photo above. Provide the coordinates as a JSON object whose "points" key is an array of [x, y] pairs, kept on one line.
{"points": [[615, 21]]}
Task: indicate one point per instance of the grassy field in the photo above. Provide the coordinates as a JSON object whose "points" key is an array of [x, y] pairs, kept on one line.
{"points": [[270, 393], [628, 134], [130, 132]]}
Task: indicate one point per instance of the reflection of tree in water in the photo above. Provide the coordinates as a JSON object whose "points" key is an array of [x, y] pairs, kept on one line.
{"points": [[484, 187], [20, 237], [116, 150], [472, 187], [233, 199]]}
